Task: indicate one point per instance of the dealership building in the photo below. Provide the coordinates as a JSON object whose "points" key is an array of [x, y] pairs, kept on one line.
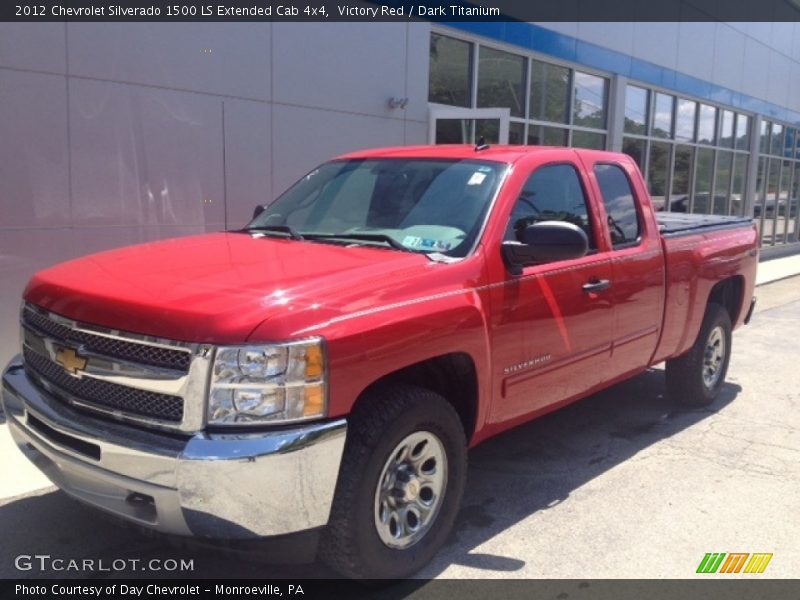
{"points": [[708, 110], [118, 133]]}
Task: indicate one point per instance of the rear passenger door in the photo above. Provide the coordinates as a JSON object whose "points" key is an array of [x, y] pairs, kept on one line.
{"points": [[552, 325], [637, 266]]}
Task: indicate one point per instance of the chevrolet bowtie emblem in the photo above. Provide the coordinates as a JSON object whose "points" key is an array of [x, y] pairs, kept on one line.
{"points": [[69, 359]]}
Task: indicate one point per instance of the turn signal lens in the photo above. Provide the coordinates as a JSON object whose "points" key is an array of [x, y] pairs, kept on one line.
{"points": [[314, 405], [314, 365]]}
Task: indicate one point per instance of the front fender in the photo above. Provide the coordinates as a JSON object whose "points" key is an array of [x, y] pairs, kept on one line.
{"points": [[385, 341], [367, 345]]}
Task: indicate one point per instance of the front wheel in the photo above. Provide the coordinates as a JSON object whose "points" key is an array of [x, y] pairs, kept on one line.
{"points": [[400, 484], [696, 377]]}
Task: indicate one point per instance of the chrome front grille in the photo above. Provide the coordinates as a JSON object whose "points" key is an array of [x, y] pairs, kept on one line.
{"points": [[120, 375], [107, 346], [104, 394]]}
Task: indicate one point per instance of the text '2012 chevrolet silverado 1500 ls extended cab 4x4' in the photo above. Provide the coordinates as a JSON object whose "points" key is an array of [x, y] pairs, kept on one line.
{"points": [[326, 368]]}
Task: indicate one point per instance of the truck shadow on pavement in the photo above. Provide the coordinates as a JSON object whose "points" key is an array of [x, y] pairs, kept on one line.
{"points": [[530, 469], [536, 466]]}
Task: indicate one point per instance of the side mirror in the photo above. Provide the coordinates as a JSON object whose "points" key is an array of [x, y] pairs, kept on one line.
{"points": [[545, 242], [258, 210]]}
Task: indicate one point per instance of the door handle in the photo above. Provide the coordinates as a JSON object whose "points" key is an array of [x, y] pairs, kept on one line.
{"points": [[596, 285]]}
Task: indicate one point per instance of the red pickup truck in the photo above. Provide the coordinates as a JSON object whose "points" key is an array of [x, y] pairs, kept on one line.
{"points": [[326, 368]]}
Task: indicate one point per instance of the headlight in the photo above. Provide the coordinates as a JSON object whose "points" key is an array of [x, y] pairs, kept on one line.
{"points": [[275, 383]]}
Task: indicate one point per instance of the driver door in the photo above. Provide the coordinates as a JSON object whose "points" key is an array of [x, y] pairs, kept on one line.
{"points": [[552, 325]]}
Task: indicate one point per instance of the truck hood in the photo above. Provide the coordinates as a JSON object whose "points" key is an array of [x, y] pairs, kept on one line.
{"points": [[218, 288]]}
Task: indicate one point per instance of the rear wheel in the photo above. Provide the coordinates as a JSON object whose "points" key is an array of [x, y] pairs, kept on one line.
{"points": [[696, 377], [400, 484]]}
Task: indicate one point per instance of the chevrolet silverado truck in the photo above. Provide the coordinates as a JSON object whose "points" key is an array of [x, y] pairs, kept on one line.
{"points": [[326, 368]]}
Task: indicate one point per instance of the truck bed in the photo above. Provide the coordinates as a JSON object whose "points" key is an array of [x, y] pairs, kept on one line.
{"points": [[677, 224]]}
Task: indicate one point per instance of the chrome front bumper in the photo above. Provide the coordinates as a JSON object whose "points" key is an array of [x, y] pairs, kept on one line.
{"points": [[231, 486]]}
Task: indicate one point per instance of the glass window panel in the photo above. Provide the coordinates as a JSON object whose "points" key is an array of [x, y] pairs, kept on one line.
{"points": [[516, 133], [783, 202], [761, 182], [681, 178], [501, 80], [707, 124], [684, 120], [776, 140], [539, 135], [657, 173], [739, 184], [722, 182], [586, 139], [662, 116], [788, 143], [794, 203], [702, 181], [589, 109], [635, 149], [765, 137], [726, 129], [770, 201], [549, 93], [635, 110], [552, 192], [796, 182], [758, 203], [615, 189], [454, 131], [742, 132], [488, 129], [450, 74]]}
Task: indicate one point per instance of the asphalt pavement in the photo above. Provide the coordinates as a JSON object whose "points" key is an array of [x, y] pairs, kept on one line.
{"points": [[623, 484]]}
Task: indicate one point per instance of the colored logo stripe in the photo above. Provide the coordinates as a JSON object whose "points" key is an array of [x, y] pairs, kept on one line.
{"points": [[713, 562], [758, 563], [710, 562], [734, 562]]}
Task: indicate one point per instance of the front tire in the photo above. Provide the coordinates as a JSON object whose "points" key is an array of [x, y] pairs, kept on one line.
{"points": [[400, 484], [696, 377]]}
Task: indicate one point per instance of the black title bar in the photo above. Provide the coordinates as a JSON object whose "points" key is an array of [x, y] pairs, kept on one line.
{"points": [[401, 10], [710, 588]]}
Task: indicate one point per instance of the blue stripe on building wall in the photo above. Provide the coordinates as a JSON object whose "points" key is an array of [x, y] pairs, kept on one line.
{"points": [[538, 39]]}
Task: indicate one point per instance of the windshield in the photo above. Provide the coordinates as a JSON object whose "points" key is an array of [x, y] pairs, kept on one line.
{"points": [[417, 205]]}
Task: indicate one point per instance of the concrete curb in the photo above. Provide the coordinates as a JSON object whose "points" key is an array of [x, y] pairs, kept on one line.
{"points": [[777, 269]]}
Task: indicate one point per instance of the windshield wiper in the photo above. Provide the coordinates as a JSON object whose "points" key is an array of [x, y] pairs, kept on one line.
{"points": [[367, 237], [295, 235], [292, 233]]}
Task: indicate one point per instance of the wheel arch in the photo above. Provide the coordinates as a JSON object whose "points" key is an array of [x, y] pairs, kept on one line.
{"points": [[453, 376], [729, 293]]}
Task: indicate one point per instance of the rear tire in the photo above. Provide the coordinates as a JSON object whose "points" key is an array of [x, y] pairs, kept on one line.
{"points": [[400, 484], [696, 377]]}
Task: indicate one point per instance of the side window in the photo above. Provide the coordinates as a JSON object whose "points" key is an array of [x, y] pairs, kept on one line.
{"points": [[552, 193], [623, 220]]}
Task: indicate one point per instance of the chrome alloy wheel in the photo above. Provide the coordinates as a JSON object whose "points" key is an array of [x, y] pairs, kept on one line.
{"points": [[713, 357], [410, 490]]}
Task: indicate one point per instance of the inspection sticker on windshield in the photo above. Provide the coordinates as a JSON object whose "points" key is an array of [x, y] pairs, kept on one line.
{"points": [[412, 241], [477, 178]]}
